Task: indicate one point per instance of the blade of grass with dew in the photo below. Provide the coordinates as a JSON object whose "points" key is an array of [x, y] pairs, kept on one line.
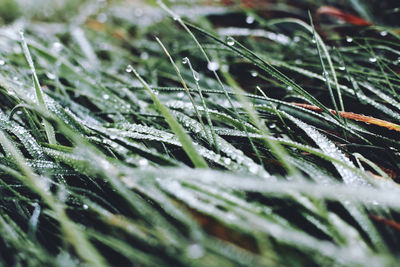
{"points": [[184, 85], [325, 73], [183, 24], [185, 140], [209, 121], [276, 148], [39, 94]]}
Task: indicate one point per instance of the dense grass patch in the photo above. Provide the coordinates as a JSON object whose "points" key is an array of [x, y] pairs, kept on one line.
{"points": [[215, 133]]}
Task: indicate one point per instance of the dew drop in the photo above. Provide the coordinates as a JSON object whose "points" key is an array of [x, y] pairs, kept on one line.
{"points": [[314, 41], [230, 41], [372, 59], [2, 62], [144, 56], [296, 39], [225, 68], [195, 251], [342, 68], [384, 33], [213, 65], [85, 207], [105, 96], [230, 216], [289, 88], [129, 69], [349, 39], [227, 161], [196, 75], [253, 169], [51, 76], [249, 19], [254, 73], [298, 61], [56, 47], [143, 162]]}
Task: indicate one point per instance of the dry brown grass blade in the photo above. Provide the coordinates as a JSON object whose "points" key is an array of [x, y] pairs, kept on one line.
{"points": [[341, 15], [390, 223], [354, 116]]}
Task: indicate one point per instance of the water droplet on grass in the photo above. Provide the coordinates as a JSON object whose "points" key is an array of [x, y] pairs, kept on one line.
{"points": [[254, 73], [144, 55], [51, 76], [250, 19], [195, 251], [213, 65], [384, 33], [372, 59], [105, 96], [253, 168], [342, 68], [230, 41], [85, 207], [349, 39], [2, 62], [129, 69], [143, 162], [56, 47], [225, 68], [227, 161], [196, 75]]}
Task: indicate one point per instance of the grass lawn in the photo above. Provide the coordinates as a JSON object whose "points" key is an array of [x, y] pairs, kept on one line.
{"points": [[199, 133]]}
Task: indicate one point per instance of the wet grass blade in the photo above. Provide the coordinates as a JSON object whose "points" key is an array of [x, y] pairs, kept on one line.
{"points": [[187, 143]]}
